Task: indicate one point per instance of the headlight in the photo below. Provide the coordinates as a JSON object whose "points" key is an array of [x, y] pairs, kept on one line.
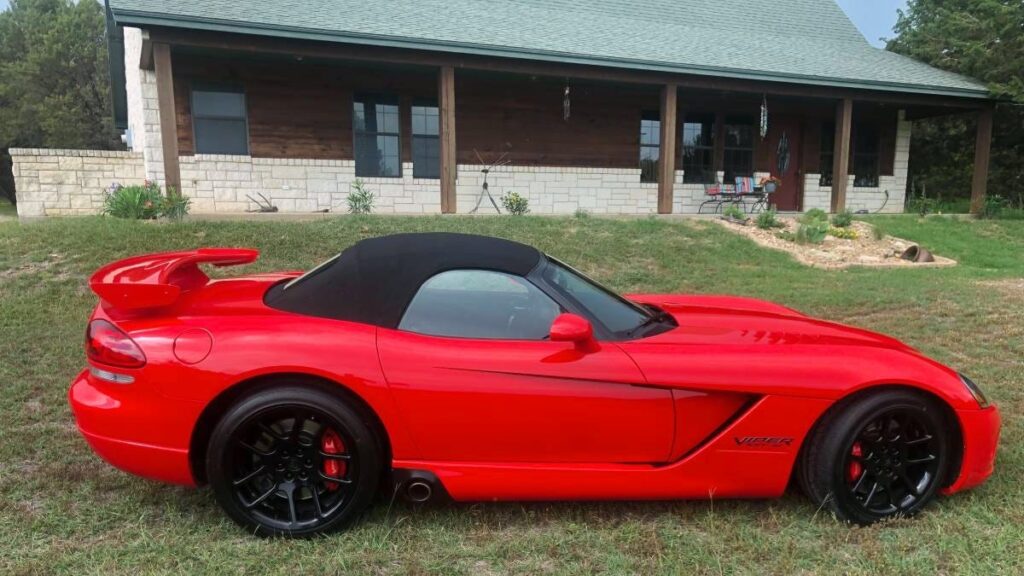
{"points": [[975, 391]]}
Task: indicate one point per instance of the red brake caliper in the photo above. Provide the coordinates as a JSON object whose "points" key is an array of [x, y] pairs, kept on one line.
{"points": [[331, 443], [856, 468]]}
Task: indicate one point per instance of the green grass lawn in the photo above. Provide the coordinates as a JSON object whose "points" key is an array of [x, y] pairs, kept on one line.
{"points": [[62, 510]]}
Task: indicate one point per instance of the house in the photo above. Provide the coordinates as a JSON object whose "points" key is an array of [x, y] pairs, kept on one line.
{"points": [[605, 106]]}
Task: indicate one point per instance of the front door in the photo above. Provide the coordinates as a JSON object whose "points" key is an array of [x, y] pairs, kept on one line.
{"points": [[784, 140]]}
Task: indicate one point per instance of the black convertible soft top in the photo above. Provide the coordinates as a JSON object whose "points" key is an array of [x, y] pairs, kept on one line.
{"points": [[374, 280]]}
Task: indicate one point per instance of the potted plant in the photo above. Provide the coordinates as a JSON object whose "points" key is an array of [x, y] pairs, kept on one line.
{"points": [[770, 184]]}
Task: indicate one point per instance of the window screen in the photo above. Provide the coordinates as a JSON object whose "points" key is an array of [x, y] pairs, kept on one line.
{"points": [[426, 142], [739, 148], [699, 149], [828, 144], [865, 156], [219, 122], [650, 146], [376, 136]]}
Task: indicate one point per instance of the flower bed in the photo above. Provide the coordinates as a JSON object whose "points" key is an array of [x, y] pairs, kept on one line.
{"points": [[864, 250]]}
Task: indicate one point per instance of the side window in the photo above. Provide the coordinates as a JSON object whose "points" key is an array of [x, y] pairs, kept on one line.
{"points": [[480, 304]]}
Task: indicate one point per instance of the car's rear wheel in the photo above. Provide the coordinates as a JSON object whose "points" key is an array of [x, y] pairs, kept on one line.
{"points": [[882, 455], [293, 461]]}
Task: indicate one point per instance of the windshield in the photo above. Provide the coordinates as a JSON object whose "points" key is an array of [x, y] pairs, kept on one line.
{"points": [[617, 314]]}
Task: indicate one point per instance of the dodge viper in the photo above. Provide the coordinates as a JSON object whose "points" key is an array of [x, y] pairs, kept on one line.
{"points": [[449, 366]]}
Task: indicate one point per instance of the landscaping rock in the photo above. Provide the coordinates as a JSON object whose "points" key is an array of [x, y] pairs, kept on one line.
{"points": [[834, 252]]}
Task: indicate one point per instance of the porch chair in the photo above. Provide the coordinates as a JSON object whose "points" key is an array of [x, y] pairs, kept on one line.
{"points": [[746, 188], [717, 194]]}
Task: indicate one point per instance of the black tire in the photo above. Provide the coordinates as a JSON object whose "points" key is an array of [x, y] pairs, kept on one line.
{"points": [[880, 455], [272, 474]]}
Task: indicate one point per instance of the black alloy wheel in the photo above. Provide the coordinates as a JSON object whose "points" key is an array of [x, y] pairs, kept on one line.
{"points": [[892, 462], [880, 456], [293, 461]]}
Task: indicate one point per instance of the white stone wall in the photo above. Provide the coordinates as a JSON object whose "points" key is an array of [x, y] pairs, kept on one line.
{"points": [[143, 107], [221, 183], [53, 182], [559, 189]]}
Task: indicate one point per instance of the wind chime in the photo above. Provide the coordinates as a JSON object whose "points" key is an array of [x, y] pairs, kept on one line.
{"points": [[566, 104], [764, 117]]}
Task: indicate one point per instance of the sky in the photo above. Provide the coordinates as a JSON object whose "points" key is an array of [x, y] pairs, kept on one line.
{"points": [[874, 18]]}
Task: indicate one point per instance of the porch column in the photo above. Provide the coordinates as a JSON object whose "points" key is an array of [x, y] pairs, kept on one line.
{"points": [[449, 167], [667, 159], [982, 153], [168, 118], [841, 153]]}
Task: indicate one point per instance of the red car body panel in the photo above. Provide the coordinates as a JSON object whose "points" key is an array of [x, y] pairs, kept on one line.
{"points": [[718, 407]]}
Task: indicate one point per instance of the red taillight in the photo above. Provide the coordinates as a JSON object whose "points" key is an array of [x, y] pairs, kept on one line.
{"points": [[107, 344]]}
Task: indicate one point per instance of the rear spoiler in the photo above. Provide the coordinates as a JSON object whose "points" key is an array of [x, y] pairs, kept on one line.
{"points": [[157, 280]]}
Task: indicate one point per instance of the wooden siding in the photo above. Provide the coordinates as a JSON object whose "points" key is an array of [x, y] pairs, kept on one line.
{"points": [[296, 109], [523, 116], [303, 109]]}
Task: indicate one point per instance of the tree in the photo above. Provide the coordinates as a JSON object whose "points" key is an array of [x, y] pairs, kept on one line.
{"points": [[54, 83], [983, 39]]}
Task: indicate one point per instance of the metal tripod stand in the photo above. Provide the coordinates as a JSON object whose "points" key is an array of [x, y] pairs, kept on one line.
{"points": [[484, 189]]}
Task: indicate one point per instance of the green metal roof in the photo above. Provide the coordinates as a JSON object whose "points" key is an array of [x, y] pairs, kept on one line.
{"points": [[802, 41]]}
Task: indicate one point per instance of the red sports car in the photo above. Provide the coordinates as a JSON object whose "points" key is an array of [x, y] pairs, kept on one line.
{"points": [[475, 369]]}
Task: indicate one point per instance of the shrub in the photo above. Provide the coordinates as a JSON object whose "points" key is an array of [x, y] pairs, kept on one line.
{"points": [[175, 206], [993, 207], [515, 204], [877, 233], [842, 219], [360, 199], [735, 212], [844, 233], [814, 215], [922, 206], [133, 202], [581, 213], [144, 202], [769, 219], [812, 232]]}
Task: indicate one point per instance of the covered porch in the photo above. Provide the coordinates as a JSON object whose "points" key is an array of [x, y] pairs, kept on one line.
{"points": [[226, 117]]}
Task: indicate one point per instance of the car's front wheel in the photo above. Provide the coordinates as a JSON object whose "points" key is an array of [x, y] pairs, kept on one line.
{"points": [[293, 461], [882, 455]]}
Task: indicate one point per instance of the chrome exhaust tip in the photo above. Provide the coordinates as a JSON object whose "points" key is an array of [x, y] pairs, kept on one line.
{"points": [[418, 491]]}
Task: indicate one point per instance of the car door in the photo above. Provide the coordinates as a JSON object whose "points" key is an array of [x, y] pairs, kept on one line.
{"points": [[476, 380]]}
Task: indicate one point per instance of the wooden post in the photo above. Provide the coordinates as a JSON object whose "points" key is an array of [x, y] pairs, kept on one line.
{"points": [[718, 163], [982, 153], [667, 157], [168, 118], [841, 153], [449, 167]]}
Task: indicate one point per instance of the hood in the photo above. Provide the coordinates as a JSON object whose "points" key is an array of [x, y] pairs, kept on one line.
{"points": [[731, 320]]}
